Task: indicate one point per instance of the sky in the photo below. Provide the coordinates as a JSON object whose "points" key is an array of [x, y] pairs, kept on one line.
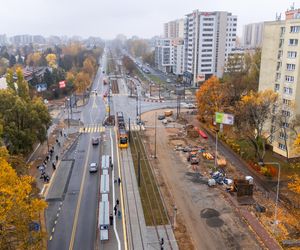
{"points": [[108, 18]]}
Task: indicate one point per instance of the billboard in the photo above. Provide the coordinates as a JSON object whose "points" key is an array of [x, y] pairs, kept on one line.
{"points": [[224, 118], [201, 78], [62, 84]]}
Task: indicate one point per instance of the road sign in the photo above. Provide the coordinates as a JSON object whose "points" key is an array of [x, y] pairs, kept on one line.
{"points": [[224, 118]]}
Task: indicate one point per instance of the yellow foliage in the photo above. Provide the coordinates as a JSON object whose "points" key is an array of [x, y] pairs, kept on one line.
{"points": [[82, 81], [18, 208], [294, 184], [51, 59], [34, 59]]}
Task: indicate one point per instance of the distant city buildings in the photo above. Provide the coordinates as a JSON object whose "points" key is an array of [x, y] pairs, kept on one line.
{"points": [[280, 71], [252, 35], [3, 39]]}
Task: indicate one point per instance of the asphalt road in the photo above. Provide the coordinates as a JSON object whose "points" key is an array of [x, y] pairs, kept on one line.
{"points": [[75, 219]]}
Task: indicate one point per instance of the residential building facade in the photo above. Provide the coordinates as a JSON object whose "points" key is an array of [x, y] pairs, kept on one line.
{"points": [[209, 37], [174, 29], [280, 71], [178, 67], [164, 54], [252, 35]]}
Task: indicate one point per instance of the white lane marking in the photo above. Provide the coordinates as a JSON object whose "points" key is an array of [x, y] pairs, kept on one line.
{"points": [[113, 186]]}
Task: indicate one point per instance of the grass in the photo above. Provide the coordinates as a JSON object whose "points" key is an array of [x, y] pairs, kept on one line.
{"points": [[156, 79], [139, 74], [152, 204]]}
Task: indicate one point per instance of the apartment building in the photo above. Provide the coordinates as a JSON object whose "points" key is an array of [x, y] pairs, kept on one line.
{"points": [[209, 37], [252, 35], [280, 71], [178, 67], [164, 54], [174, 29]]}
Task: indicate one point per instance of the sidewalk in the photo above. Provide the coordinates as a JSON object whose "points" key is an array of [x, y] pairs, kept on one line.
{"points": [[268, 241]]}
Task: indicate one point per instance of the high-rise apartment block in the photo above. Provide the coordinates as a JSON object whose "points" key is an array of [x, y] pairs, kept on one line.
{"points": [[252, 35], [174, 29], [209, 38], [280, 71], [164, 54]]}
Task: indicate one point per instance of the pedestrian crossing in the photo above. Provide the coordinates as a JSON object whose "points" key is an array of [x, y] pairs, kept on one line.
{"points": [[119, 94], [92, 128], [98, 128]]}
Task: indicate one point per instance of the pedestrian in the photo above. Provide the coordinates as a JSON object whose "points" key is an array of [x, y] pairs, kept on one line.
{"points": [[111, 219], [119, 181], [56, 157], [117, 202], [65, 135], [59, 144], [53, 165], [61, 133], [119, 214], [45, 162], [112, 166], [47, 158], [56, 141], [45, 178], [115, 210], [52, 148]]}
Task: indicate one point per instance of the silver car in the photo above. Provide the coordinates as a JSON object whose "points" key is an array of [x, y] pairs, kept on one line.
{"points": [[93, 167]]}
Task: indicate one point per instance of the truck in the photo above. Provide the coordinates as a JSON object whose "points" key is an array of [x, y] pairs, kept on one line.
{"points": [[193, 157], [168, 113]]}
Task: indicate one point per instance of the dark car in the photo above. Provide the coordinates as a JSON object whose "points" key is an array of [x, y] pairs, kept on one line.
{"points": [[95, 141], [161, 117]]}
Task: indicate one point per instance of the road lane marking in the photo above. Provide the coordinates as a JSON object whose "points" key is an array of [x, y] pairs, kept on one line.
{"points": [[113, 186], [79, 198], [121, 194]]}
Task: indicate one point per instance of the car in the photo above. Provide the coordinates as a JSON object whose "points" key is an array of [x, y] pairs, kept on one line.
{"points": [[168, 80], [95, 141], [191, 106], [161, 117], [93, 167]]}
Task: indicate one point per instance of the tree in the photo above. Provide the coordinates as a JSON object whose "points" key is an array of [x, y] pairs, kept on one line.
{"points": [[209, 98], [22, 84], [19, 208], [149, 58], [128, 64], [48, 78], [34, 59], [252, 113], [51, 60], [82, 81], [10, 80], [89, 66], [12, 60]]}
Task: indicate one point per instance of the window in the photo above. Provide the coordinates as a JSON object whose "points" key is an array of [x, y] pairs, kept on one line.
{"points": [[287, 90], [289, 78], [278, 76], [206, 60], [208, 19], [292, 54], [290, 66], [282, 146], [206, 45], [285, 124], [206, 55], [295, 29], [286, 113], [207, 40], [282, 30], [276, 88], [286, 102], [208, 24], [206, 50], [205, 70], [281, 43], [207, 34], [283, 135], [293, 42], [208, 29]]}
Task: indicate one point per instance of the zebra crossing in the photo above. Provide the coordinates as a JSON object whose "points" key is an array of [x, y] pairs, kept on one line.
{"points": [[134, 127], [92, 128]]}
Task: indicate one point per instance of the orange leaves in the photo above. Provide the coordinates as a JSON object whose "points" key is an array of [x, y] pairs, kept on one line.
{"points": [[18, 207], [209, 97], [294, 184], [51, 60]]}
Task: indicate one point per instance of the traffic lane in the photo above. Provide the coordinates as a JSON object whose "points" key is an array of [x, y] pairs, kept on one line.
{"points": [[65, 218], [87, 219]]}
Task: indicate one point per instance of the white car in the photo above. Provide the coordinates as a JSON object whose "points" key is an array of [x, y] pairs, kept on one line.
{"points": [[93, 167], [168, 80]]}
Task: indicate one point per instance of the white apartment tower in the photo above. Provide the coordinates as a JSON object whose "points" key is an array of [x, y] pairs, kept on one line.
{"points": [[209, 37], [280, 71], [252, 35]]}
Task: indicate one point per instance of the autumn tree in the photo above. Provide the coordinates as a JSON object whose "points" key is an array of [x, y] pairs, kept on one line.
{"points": [[19, 208], [81, 82], [149, 58], [128, 64], [89, 66], [51, 60], [253, 112], [209, 98], [34, 59]]}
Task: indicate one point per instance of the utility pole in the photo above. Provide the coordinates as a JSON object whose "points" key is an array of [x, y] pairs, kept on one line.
{"points": [[159, 91], [139, 169], [140, 115], [155, 135], [67, 106], [108, 98], [137, 109]]}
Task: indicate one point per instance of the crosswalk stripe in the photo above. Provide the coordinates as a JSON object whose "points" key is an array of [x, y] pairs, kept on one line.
{"points": [[92, 128]]}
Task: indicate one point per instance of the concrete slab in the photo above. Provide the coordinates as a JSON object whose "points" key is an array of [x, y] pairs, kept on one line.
{"points": [[165, 232], [60, 182]]}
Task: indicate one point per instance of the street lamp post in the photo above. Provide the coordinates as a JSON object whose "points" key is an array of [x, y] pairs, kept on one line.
{"points": [[277, 191]]}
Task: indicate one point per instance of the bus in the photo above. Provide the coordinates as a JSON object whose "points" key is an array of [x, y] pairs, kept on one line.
{"points": [[122, 133]]}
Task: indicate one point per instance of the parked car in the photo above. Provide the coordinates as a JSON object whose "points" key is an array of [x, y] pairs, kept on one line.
{"points": [[95, 141], [168, 80], [161, 117], [93, 167]]}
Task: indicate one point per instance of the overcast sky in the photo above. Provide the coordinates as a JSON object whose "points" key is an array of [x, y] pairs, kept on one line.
{"points": [[107, 18]]}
